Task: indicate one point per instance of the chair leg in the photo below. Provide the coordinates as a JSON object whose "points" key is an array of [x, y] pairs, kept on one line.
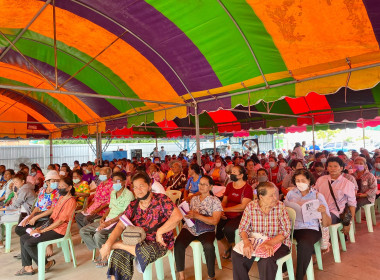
{"points": [[289, 266], [197, 258], [172, 265], [41, 261], [335, 244], [8, 237], [373, 215], [318, 254], [66, 250], [72, 252], [358, 216], [342, 239], [310, 271], [217, 254], [351, 233], [148, 272], [367, 212], [159, 264], [93, 254], [237, 236]]}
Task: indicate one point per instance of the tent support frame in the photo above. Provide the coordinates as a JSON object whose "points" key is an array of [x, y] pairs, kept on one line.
{"points": [[197, 136]]}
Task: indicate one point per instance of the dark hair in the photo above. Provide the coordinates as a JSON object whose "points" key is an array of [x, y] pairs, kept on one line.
{"points": [[83, 165], [68, 181], [249, 160], [78, 172], [52, 166], [335, 159], [21, 176], [294, 163], [318, 164], [261, 189], [255, 158], [227, 158], [120, 174], [35, 166], [210, 180], [140, 168], [11, 171], [141, 175], [196, 168], [262, 169], [317, 155], [275, 159], [305, 173], [76, 161], [242, 171], [340, 153]]}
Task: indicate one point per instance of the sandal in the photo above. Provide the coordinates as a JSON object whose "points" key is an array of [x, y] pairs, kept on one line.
{"points": [[227, 253], [98, 259], [102, 264], [49, 267], [23, 272]]}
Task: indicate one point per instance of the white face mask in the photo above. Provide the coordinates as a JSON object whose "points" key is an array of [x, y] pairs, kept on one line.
{"points": [[272, 164], [323, 160], [241, 164], [218, 164], [377, 165], [62, 173], [302, 186]]}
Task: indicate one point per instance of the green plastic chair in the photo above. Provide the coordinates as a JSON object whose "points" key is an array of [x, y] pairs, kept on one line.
{"points": [[8, 234], [159, 264], [198, 257], [63, 242], [335, 231], [377, 204], [370, 216]]}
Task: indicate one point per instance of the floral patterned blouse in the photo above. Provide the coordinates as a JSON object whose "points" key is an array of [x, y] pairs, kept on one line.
{"points": [[46, 200], [159, 211], [82, 187], [102, 196]]}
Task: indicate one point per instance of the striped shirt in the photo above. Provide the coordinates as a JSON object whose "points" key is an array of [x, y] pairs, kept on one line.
{"points": [[276, 222]]}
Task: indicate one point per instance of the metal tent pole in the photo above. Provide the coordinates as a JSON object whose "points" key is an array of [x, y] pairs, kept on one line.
{"points": [[98, 145], [213, 132], [51, 148], [363, 134], [312, 120], [197, 139]]}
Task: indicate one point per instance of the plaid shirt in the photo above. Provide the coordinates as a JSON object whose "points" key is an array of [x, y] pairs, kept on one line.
{"points": [[275, 223], [368, 185]]}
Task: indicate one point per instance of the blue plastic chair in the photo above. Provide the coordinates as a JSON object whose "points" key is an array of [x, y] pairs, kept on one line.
{"points": [[63, 242], [198, 257], [159, 264], [8, 234]]}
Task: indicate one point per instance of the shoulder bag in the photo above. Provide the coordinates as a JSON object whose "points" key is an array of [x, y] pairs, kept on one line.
{"points": [[346, 215]]}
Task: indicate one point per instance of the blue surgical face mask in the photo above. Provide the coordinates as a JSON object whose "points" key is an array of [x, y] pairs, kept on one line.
{"points": [[102, 177], [117, 186], [54, 185]]}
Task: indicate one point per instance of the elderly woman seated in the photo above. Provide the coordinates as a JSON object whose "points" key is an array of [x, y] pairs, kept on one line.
{"points": [[307, 233], [205, 211], [266, 216], [178, 180], [157, 215]]}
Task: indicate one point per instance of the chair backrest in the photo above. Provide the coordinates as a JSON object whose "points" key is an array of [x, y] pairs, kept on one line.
{"points": [[68, 229], [174, 195], [292, 217]]}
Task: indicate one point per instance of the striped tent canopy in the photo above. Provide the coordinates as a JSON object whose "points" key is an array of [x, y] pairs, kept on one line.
{"points": [[143, 68]]}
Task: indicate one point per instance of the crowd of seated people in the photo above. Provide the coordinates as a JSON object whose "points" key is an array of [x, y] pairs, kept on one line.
{"points": [[256, 189]]}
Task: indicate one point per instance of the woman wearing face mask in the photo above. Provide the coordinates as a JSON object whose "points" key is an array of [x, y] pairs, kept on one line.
{"points": [[287, 183], [367, 183], [205, 210], [82, 189], [306, 233], [21, 204], [46, 200], [218, 173], [7, 186], [267, 216], [99, 203], [237, 195], [36, 177], [376, 172], [157, 215], [62, 214], [96, 234], [276, 174]]}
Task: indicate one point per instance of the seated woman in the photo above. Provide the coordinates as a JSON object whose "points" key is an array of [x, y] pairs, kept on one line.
{"points": [[205, 211], [7, 186], [36, 177], [218, 173], [62, 213], [155, 173], [259, 217], [82, 190], [99, 204], [287, 183], [306, 233], [96, 234], [237, 195], [43, 208], [367, 183], [157, 215], [251, 172], [178, 180], [21, 203], [319, 170], [192, 185]]}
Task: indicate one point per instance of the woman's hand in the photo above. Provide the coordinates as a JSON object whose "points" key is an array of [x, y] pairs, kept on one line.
{"points": [[267, 248], [248, 249], [105, 251], [192, 214], [346, 229], [26, 221], [37, 230], [159, 238], [223, 216], [321, 209]]}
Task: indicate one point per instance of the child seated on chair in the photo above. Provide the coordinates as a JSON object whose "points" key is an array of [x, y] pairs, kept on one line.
{"points": [[55, 229]]}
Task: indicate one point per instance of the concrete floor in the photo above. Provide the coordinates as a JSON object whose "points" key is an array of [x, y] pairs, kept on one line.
{"points": [[361, 261]]}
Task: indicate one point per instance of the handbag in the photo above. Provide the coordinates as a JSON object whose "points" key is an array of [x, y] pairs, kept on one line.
{"points": [[50, 221], [201, 227], [346, 215]]}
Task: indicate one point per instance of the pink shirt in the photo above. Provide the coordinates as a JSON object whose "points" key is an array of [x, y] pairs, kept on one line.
{"points": [[102, 197]]}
